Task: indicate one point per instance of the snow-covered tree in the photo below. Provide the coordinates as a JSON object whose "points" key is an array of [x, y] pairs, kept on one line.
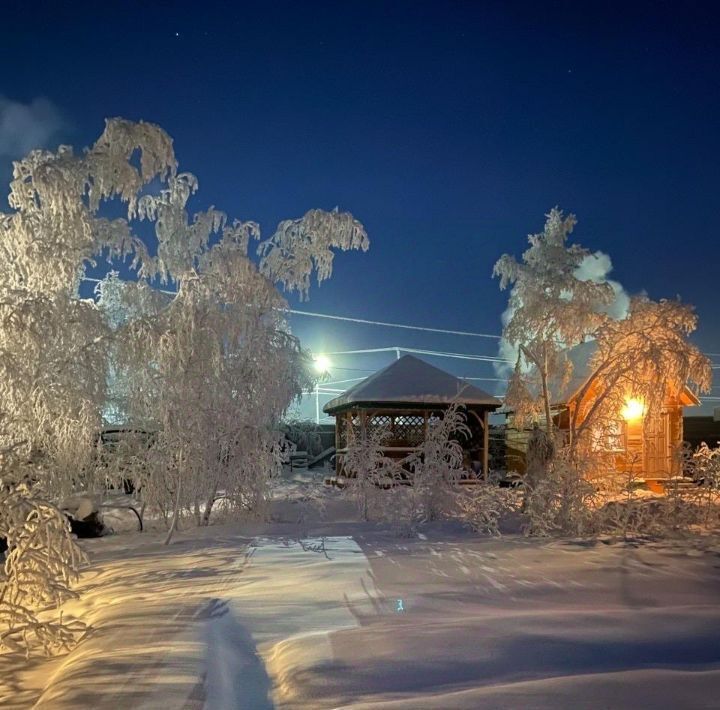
{"points": [[551, 308], [217, 357], [220, 366], [219, 370], [640, 354], [370, 473]]}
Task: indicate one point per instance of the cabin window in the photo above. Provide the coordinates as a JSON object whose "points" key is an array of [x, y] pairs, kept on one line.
{"points": [[609, 438]]}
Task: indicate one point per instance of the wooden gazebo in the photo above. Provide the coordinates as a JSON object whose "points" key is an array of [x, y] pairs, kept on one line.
{"points": [[403, 398]]}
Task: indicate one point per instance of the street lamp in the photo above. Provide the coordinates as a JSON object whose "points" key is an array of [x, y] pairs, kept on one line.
{"points": [[321, 363]]}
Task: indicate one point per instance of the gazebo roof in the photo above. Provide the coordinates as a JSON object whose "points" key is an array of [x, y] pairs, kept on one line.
{"points": [[414, 382]]}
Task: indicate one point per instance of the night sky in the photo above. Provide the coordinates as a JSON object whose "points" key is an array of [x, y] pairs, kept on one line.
{"points": [[449, 129]]}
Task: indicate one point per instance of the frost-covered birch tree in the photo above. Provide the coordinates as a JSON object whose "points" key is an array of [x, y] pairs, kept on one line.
{"points": [[209, 370], [550, 309]]}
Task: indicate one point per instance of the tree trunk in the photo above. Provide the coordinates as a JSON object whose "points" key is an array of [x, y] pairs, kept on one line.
{"points": [[208, 507], [546, 402], [542, 367], [176, 513]]}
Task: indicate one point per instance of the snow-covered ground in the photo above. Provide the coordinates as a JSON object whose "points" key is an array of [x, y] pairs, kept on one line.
{"points": [[337, 613]]}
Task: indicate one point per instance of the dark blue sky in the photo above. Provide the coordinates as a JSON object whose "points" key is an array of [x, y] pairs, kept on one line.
{"points": [[448, 128]]}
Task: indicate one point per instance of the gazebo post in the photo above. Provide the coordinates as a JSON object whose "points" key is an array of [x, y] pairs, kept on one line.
{"points": [[486, 445]]}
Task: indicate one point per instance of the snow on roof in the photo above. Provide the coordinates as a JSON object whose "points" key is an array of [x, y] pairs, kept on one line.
{"points": [[581, 356], [410, 380]]}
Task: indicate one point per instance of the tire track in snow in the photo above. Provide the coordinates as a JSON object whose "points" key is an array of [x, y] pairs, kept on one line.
{"points": [[292, 596]]}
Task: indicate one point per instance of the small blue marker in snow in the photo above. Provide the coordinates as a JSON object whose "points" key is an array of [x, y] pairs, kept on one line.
{"points": [[400, 606]]}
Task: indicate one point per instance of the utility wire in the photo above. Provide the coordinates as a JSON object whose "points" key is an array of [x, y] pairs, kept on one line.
{"points": [[419, 351], [364, 321], [404, 326], [486, 379]]}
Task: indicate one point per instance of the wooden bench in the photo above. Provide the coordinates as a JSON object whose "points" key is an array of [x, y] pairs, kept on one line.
{"points": [[299, 460]]}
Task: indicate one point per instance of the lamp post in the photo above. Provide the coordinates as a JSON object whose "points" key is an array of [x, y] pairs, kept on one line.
{"points": [[322, 365]]}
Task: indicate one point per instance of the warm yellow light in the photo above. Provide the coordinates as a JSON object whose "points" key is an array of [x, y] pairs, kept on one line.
{"points": [[633, 409], [321, 363]]}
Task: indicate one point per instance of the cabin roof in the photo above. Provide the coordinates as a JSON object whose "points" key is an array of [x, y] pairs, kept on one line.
{"points": [[411, 381], [580, 357]]}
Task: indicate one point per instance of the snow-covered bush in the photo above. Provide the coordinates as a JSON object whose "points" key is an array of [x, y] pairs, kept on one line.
{"points": [[703, 466], [41, 563], [419, 487], [484, 505], [370, 475], [562, 501], [576, 499]]}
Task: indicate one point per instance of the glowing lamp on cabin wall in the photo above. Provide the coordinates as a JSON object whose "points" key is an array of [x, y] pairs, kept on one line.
{"points": [[633, 410]]}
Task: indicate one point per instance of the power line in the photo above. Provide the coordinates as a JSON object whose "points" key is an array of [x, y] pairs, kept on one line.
{"points": [[404, 326], [342, 382], [486, 379], [363, 321], [419, 351], [461, 356]]}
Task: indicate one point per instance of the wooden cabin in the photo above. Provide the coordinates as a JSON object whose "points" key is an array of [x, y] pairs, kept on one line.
{"points": [[403, 398], [645, 445]]}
